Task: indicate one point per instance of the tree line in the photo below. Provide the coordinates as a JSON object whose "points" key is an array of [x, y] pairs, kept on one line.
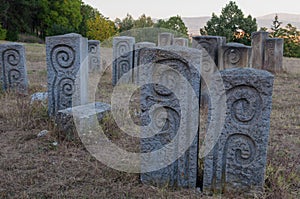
{"points": [[41, 18]]}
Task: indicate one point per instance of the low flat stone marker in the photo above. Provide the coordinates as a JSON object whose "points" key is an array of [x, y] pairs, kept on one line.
{"points": [[238, 159], [67, 58], [123, 48], [181, 42], [165, 39], [169, 110], [94, 56], [258, 40], [235, 55], [274, 55], [13, 72]]}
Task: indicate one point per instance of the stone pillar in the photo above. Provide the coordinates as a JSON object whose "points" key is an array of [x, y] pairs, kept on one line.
{"points": [[165, 39], [123, 48], [13, 72], [238, 159], [138, 46], [181, 42], [273, 55], [67, 67], [94, 56], [170, 114], [258, 48], [210, 51], [235, 55]]}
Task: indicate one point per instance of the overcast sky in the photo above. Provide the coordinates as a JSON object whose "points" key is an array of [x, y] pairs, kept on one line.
{"points": [[189, 8]]}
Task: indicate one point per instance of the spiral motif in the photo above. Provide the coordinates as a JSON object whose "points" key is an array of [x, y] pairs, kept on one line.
{"points": [[67, 86], [245, 103], [242, 148], [63, 56], [94, 60], [92, 49], [270, 48], [205, 47], [207, 65], [11, 57], [124, 66], [123, 49], [233, 55], [14, 76]]}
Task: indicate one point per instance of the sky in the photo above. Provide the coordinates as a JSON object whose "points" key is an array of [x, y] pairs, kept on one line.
{"points": [[162, 9]]}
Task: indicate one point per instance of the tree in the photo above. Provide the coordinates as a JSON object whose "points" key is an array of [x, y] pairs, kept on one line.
{"points": [[87, 12], [276, 26], [173, 23], [143, 21], [125, 24], [229, 23], [100, 28]]}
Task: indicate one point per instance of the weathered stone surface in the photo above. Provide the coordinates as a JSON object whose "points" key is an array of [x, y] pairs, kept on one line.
{"points": [[165, 39], [273, 55], [258, 40], [94, 56], [65, 120], [210, 51], [67, 68], [235, 55], [136, 48], [123, 48], [13, 72], [210, 46], [144, 45], [181, 42], [238, 159], [171, 114]]}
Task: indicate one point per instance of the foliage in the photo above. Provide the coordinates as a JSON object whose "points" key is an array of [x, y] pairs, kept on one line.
{"points": [[276, 26], [173, 23], [231, 24], [100, 28], [2, 33], [87, 12], [129, 23]]}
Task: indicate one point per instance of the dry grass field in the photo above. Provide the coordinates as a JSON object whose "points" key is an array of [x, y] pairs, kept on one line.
{"points": [[54, 167]]}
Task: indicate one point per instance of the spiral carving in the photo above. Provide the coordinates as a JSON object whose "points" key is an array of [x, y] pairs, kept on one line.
{"points": [[63, 56], [124, 66], [206, 48], [14, 76], [67, 87], [92, 49], [241, 148], [233, 55], [245, 103], [123, 48], [11, 57]]}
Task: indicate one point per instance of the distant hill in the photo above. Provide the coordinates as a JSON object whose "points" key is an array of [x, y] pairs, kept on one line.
{"points": [[195, 23]]}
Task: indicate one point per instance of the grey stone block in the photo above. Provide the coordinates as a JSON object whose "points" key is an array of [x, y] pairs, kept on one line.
{"points": [[181, 42], [171, 112], [165, 39], [210, 46], [67, 68], [258, 40], [13, 72], [123, 48], [238, 160], [274, 55], [65, 119], [94, 56], [235, 55]]}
